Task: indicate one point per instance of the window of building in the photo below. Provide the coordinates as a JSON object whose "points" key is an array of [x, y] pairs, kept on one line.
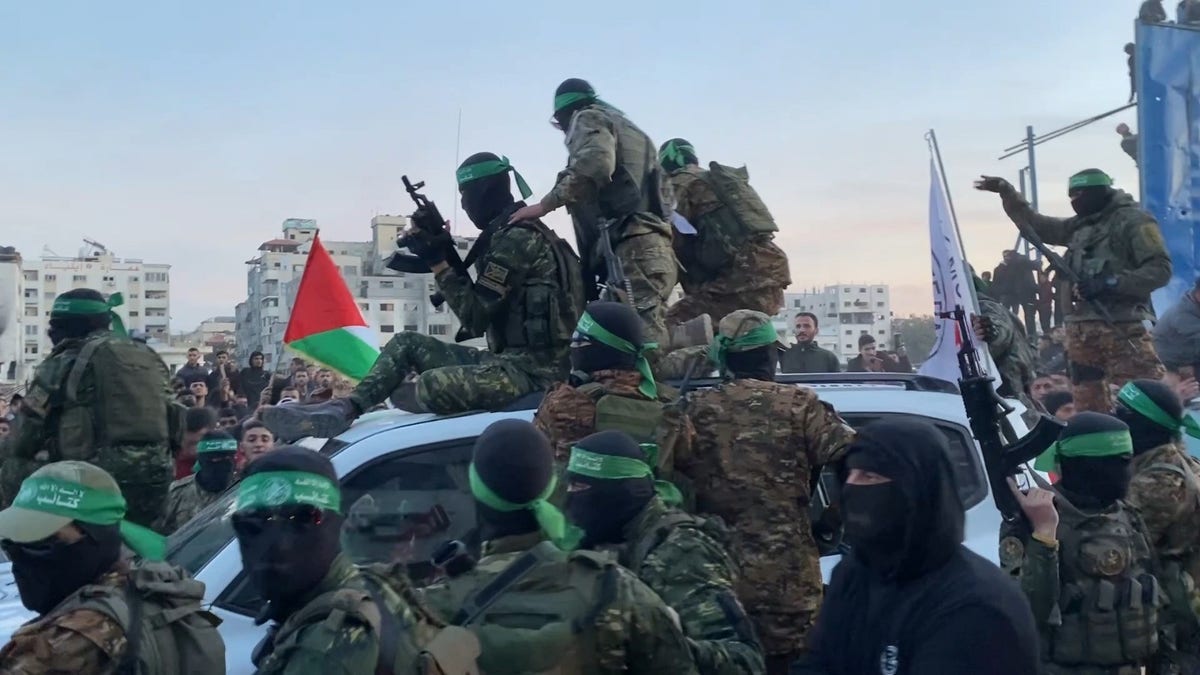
{"points": [[109, 278], [439, 329], [31, 311], [31, 330], [387, 328], [410, 327], [387, 306], [796, 303], [349, 270], [132, 314], [862, 290], [849, 346], [31, 275], [79, 278], [364, 306], [161, 277], [134, 279], [387, 284], [883, 332], [879, 289], [846, 304], [408, 284], [849, 332], [845, 290], [50, 277], [30, 293], [31, 349], [879, 304]]}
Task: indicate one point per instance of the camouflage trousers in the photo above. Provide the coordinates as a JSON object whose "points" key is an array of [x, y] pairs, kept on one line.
{"points": [[451, 378], [1100, 358], [648, 262], [766, 300]]}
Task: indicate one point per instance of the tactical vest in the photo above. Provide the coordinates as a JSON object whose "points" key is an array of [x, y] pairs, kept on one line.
{"points": [[549, 307], [640, 418], [1179, 564], [654, 536], [166, 629], [722, 232], [1107, 611], [1093, 251]]}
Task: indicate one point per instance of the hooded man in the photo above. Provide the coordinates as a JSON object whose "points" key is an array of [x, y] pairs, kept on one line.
{"points": [[526, 299], [757, 449], [611, 387], [1165, 490], [98, 612], [1088, 568], [613, 187], [254, 378], [613, 496], [326, 618], [732, 261], [563, 611], [909, 598], [216, 465], [1116, 250], [99, 397]]}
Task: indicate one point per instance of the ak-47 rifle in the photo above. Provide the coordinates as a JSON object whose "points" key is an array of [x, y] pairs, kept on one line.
{"points": [[988, 415], [427, 218], [617, 287]]}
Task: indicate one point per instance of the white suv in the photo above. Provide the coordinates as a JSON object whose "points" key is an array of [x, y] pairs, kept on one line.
{"points": [[404, 481]]}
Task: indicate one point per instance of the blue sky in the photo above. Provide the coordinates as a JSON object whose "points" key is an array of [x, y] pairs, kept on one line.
{"points": [[186, 132]]}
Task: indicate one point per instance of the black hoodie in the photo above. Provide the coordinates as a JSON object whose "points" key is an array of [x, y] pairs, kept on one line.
{"points": [[942, 609]]}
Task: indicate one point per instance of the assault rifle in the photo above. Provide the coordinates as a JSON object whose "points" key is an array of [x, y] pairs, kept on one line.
{"points": [[988, 414], [429, 219], [617, 287]]}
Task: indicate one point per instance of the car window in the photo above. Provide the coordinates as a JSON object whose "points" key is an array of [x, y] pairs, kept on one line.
{"points": [[202, 537]]}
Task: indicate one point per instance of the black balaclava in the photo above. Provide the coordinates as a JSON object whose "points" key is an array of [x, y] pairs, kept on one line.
{"points": [[1146, 433], [753, 364], [912, 524], [607, 505], [1093, 482], [216, 456], [516, 462], [676, 154], [286, 558], [485, 199], [589, 355], [1090, 191], [49, 571], [77, 326], [587, 97]]}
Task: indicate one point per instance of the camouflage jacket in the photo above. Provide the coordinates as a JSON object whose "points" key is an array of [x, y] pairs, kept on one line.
{"points": [[184, 501], [330, 641], [756, 448], [1123, 240], [691, 571], [518, 300], [1010, 349], [36, 417], [721, 258], [616, 623], [1165, 492], [80, 642]]}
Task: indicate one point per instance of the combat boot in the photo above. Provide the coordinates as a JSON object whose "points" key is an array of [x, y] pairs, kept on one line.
{"points": [[291, 422], [694, 332]]}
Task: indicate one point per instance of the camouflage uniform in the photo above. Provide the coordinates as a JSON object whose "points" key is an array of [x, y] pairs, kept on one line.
{"points": [[1123, 241], [184, 501], [1010, 349], [524, 305], [611, 161], [714, 283], [1165, 492], [672, 554], [757, 445], [633, 632]]}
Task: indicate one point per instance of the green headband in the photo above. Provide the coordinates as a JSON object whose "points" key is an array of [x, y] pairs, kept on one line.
{"points": [[565, 536], [722, 345], [565, 99], [584, 462], [492, 167], [92, 506], [1139, 402], [588, 326], [278, 488], [1089, 179], [1098, 444], [674, 155], [86, 307], [217, 445]]}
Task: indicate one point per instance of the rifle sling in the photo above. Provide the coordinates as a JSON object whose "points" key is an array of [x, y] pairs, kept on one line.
{"points": [[478, 602]]}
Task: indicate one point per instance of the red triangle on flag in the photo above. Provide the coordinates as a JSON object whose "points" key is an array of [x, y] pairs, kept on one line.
{"points": [[323, 301]]}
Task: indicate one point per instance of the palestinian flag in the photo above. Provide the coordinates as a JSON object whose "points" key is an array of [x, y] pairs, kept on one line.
{"points": [[326, 324]]}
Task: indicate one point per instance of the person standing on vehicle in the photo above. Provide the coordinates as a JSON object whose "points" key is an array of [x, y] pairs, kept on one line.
{"points": [[324, 616], [1088, 567], [101, 397], [758, 447], [909, 598], [1009, 347], [526, 299], [1165, 490], [612, 387], [613, 178], [732, 262], [98, 613], [806, 356], [216, 461], [551, 609], [612, 496], [1116, 250]]}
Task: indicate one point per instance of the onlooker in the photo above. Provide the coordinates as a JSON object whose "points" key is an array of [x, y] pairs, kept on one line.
{"points": [[289, 395], [1129, 141], [1019, 288], [257, 440], [987, 278], [866, 361], [806, 356], [1177, 334], [5, 428], [193, 370], [197, 422], [224, 370], [909, 598], [324, 378], [1042, 385], [1061, 404], [254, 378], [199, 390], [1152, 11], [1051, 355], [227, 419], [301, 383]]}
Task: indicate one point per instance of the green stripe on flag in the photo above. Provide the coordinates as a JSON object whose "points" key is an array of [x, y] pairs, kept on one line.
{"points": [[339, 349]]}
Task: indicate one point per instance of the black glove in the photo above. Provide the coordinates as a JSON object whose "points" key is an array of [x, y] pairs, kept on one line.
{"points": [[1097, 286], [430, 248]]}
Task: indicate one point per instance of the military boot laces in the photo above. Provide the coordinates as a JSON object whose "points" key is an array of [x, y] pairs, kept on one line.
{"points": [[692, 333], [291, 422]]}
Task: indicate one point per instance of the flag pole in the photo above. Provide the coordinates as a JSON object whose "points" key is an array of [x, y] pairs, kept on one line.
{"points": [[936, 152]]}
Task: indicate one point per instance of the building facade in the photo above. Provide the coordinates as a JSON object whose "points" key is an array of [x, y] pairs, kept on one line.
{"points": [[12, 291], [844, 312]]}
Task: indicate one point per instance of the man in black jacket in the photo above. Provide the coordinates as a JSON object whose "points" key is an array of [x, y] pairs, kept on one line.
{"points": [[806, 356], [910, 599]]}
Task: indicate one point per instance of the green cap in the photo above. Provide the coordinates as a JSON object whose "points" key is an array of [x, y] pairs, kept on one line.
{"points": [[1097, 444], [1138, 401], [1089, 178], [270, 489], [588, 326], [85, 307], [492, 167], [741, 331], [58, 494]]}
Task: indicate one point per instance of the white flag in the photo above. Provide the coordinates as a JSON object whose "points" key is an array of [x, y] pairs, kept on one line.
{"points": [[952, 285]]}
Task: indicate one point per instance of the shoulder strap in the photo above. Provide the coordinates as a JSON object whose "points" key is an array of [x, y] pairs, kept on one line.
{"points": [[133, 632], [478, 602], [80, 365], [389, 628]]}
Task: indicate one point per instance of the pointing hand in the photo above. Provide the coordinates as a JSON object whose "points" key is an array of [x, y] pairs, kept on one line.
{"points": [[993, 184]]}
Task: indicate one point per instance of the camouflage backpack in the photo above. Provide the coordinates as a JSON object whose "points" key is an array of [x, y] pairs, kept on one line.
{"points": [[128, 406], [552, 312], [166, 629], [723, 232], [733, 189], [1108, 606]]}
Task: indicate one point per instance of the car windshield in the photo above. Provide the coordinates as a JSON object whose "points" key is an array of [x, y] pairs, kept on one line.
{"points": [[203, 537]]}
